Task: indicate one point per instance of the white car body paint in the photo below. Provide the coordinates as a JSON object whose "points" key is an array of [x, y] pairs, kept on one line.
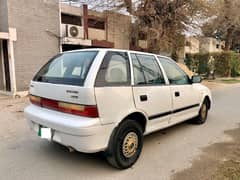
{"points": [[162, 109]]}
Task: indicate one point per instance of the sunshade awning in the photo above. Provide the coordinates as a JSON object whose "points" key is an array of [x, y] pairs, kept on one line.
{"points": [[4, 35]]}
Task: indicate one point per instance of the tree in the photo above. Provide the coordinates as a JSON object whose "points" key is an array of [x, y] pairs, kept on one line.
{"points": [[166, 21], [102, 4], [226, 24]]}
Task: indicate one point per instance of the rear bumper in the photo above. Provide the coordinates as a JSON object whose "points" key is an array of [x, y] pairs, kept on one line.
{"points": [[81, 133]]}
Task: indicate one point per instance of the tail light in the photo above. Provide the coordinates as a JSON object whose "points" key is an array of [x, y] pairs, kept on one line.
{"points": [[35, 100], [76, 109]]}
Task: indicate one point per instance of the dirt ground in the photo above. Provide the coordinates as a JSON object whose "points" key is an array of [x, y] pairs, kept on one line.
{"points": [[222, 161]]}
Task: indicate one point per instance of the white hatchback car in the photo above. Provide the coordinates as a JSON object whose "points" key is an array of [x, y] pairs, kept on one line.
{"points": [[106, 100]]}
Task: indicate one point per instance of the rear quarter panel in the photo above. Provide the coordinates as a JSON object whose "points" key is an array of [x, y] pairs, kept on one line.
{"points": [[114, 103]]}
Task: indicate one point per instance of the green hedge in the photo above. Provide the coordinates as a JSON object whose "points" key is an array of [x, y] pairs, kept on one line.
{"points": [[225, 63], [235, 64]]}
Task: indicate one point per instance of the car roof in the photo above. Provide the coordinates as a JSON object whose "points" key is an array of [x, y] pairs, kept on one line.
{"points": [[112, 49]]}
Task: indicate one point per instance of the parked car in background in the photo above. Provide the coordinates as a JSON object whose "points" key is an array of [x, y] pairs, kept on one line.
{"points": [[106, 100]]}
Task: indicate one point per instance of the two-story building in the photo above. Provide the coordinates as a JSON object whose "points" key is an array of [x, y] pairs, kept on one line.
{"points": [[84, 28], [33, 31], [195, 45], [192, 45], [211, 45], [29, 31]]}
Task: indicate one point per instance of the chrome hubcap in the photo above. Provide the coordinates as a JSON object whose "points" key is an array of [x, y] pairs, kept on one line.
{"points": [[130, 144]]}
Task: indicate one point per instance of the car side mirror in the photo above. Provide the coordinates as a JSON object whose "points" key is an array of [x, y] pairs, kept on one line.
{"points": [[196, 79]]}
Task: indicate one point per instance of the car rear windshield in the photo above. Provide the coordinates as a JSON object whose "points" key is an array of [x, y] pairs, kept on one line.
{"points": [[68, 68]]}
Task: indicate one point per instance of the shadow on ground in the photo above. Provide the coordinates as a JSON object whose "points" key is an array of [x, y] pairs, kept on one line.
{"points": [[220, 161]]}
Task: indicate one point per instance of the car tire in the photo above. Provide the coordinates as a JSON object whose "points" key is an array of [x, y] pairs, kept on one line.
{"points": [[125, 145], [203, 113]]}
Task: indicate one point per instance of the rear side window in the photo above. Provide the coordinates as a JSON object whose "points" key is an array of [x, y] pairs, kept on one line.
{"points": [[146, 70], [114, 70], [68, 68], [139, 77]]}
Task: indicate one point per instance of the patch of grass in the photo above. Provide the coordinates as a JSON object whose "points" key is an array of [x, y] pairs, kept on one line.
{"points": [[230, 170], [230, 81]]}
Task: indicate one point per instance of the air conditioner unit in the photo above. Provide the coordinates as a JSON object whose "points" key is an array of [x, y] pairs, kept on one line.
{"points": [[74, 31]]}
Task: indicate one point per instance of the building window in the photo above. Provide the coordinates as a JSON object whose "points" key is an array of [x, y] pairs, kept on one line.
{"points": [[188, 43], [71, 19], [218, 46], [97, 24], [142, 36]]}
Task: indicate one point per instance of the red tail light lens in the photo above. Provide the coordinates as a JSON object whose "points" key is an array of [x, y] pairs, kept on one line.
{"points": [[47, 103], [35, 100], [81, 110]]}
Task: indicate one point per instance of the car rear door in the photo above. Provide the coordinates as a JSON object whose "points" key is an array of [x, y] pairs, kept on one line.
{"points": [[151, 94], [186, 99]]}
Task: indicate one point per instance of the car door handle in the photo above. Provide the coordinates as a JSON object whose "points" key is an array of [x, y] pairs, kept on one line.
{"points": [[177, 94], [143, 98]]}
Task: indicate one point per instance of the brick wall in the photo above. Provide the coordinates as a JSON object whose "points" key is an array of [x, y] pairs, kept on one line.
{"points": [[3, 16], [118, 29], [37, 25]]}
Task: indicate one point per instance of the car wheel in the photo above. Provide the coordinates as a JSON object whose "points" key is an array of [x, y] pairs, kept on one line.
{"points": [[125, 145], [203, 113]]}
